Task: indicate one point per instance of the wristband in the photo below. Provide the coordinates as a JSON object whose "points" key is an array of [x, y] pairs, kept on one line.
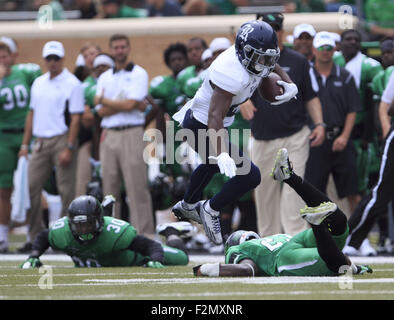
{"points": [[321, 124], [210, 269]]}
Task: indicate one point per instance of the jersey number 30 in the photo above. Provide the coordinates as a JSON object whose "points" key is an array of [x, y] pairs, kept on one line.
{"points": [[116, 225]]}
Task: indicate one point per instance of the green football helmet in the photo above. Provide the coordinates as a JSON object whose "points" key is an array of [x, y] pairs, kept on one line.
{"points": [[238, 237]]}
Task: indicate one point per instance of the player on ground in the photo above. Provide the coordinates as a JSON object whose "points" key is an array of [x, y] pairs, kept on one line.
{"points": [[15, 83], [313, 252], [231, 80], [94, 240]]}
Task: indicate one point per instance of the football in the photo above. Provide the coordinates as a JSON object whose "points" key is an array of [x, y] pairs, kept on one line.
{"points": [[268, 87]]}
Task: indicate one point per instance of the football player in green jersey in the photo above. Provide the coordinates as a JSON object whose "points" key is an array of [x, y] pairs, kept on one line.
{"points": [[167, 94], [15, 83], [94, 240], [314, 252], [195, 49], [363, 69]]}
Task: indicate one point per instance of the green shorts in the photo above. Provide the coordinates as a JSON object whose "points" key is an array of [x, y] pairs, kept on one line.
{"points": [[9, 148], [301, 258]]}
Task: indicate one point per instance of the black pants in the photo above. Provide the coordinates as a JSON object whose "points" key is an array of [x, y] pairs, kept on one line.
{"points": [[323, 161], [374, 205]]}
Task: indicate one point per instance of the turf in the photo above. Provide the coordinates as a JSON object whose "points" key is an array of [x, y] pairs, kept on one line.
{"points": [[61, 281]]}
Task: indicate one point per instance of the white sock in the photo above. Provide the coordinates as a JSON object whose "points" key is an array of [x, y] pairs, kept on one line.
{"points": [[188, 206], [4, 233], [208, 208]]}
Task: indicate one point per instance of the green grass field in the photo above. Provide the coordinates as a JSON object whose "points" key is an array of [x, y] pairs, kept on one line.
{"points": [[61, 281]]}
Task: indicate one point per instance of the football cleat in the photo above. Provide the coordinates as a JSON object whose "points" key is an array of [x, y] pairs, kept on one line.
{"points": [[282, 167], [211, 223], [181, 213], [316, 215], [182, 229], [361, 269]]}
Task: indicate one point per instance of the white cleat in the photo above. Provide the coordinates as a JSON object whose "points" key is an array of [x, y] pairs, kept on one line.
{"points": [[183, 229], [211, 224], [316, 215], [181, 213], [282, 167]]}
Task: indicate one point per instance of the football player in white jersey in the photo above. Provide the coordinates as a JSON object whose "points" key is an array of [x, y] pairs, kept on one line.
{"points": [[231, 80]]}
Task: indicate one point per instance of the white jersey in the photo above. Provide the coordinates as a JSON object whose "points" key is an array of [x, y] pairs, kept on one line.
{"points": [[227, 73]]}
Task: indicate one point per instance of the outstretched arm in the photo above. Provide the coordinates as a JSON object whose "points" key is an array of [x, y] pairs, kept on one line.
{"points": [[40, 245], [148, 248], [246, 268]]}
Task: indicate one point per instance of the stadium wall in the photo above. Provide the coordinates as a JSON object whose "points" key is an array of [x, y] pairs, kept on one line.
{"points": [[149, 36]]}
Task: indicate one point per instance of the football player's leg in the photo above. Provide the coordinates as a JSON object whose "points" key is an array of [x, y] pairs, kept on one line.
{"points": [[6, 181], [299, 261], [328, 246], [248, 177], [313, 197], [174, 257]]}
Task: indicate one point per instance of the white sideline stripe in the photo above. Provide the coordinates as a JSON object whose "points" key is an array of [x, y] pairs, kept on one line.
{"points": [[266, 281], [297, 265], [98, 274], [193, 258], [260, 280], [207, 294]]}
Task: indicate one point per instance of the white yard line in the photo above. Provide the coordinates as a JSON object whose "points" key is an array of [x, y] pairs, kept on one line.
{"points": [[193, 258]]}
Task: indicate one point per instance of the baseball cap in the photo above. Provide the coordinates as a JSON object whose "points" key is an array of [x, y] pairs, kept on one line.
{"points": [[274, 19], [303, 27], [10, 43], [103, 59], [206, 54], [219, 44], [323, 38], [53, 48], [336, 36]]}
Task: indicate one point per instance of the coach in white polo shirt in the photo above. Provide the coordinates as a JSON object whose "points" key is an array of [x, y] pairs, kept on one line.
{"points": [[56, 106], [119, 95]]}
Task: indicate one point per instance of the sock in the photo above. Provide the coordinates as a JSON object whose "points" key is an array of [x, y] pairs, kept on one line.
{"points": [[327, 248], [208, 208], [4, 233]]}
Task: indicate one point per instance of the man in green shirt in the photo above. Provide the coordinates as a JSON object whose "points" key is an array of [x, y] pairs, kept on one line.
{"points": [[15, 83], [363, 69], [165, 91], [116, 9], [380, 18], [313, 252], [195, 49]]}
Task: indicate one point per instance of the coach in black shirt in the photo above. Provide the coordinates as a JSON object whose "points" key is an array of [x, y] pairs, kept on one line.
{"points": [[340, 101], [284, 126]]}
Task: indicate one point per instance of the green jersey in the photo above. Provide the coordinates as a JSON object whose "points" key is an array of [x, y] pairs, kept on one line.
{"points": [[284, 255], [191, 86], [110, 249], [380, 12], [363, 75], [89, 90], [167, 93], [15, 95], [184, 75], [380, 81]]}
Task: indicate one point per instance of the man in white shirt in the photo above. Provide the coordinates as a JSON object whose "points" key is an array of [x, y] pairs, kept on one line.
{"points": [[119, 98], [231, 80], [56, 106]]}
